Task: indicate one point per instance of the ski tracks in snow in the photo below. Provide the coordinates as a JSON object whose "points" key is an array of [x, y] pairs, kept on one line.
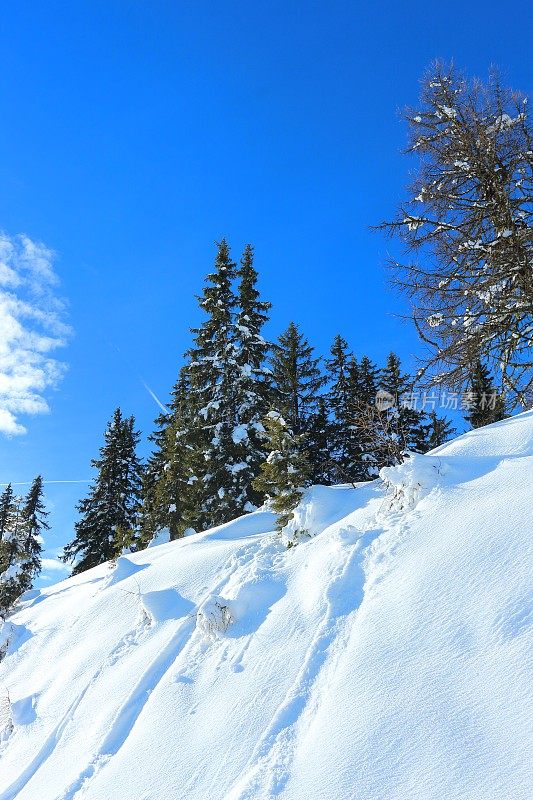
{"points": [[131, 708], [268, 768]]}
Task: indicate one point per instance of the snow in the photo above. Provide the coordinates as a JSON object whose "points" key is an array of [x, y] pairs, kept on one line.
{"points": [[412, 480], [450, 112], [385, 657], [239, 434], [435, 320], [214, 617], [162, 536]]}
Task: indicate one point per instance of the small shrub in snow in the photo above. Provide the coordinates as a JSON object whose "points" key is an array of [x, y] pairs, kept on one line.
{"points": [[6, 717], [5, 638], [284, 473], [410, 481], [144, 618], [214, 617]]}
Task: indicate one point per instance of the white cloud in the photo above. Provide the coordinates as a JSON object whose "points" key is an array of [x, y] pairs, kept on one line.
{"points": [[55, 566], [31, 328]]}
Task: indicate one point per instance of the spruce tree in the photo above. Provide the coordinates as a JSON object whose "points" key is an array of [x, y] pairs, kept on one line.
{"points": [[406, 422], [21, 525], [349, 427], [285, 472], [368, 462], [214, 371], [168, 496], [369, 377], [297, 379], [110, 512], [320, 446], [34, 522], [10, 550], [485, 404], [340, 373], [253, 383], [208, 447], [338, 368], [178, 490], [7, 511], [152, 518], [439, 430]]}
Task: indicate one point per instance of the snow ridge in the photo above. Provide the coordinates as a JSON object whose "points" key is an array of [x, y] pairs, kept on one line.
{"points": [[385, 656]]}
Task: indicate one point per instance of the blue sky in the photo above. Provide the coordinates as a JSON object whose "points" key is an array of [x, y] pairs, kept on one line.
{"points": [[135, 134]]}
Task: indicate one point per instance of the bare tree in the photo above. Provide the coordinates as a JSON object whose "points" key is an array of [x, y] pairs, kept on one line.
{"points": [[468, 227]]}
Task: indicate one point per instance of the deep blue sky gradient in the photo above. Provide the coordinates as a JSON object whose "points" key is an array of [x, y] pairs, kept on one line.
{"points": [[134, 134]]}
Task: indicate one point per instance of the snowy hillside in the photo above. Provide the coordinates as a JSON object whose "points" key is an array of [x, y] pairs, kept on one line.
{"points": [[385, 657]]}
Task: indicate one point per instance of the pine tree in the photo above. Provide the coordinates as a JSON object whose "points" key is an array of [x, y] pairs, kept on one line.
{"points": [[110, 513], [297, 379], [253, 386], [484, 404], [284, 474], [34, 522]]}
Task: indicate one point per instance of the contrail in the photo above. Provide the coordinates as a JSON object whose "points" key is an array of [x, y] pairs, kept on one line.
{"points": [[130, 366], [163, 408], [28, 483]]}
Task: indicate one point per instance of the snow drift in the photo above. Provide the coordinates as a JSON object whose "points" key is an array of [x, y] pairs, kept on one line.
{"points": [[386, 656]]}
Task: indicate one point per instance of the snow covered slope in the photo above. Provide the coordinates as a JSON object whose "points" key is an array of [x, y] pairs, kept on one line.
{"points": [[386, 657]]}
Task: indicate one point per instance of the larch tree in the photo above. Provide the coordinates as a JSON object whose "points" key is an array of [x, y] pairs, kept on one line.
{"points": [[468, 227]]}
